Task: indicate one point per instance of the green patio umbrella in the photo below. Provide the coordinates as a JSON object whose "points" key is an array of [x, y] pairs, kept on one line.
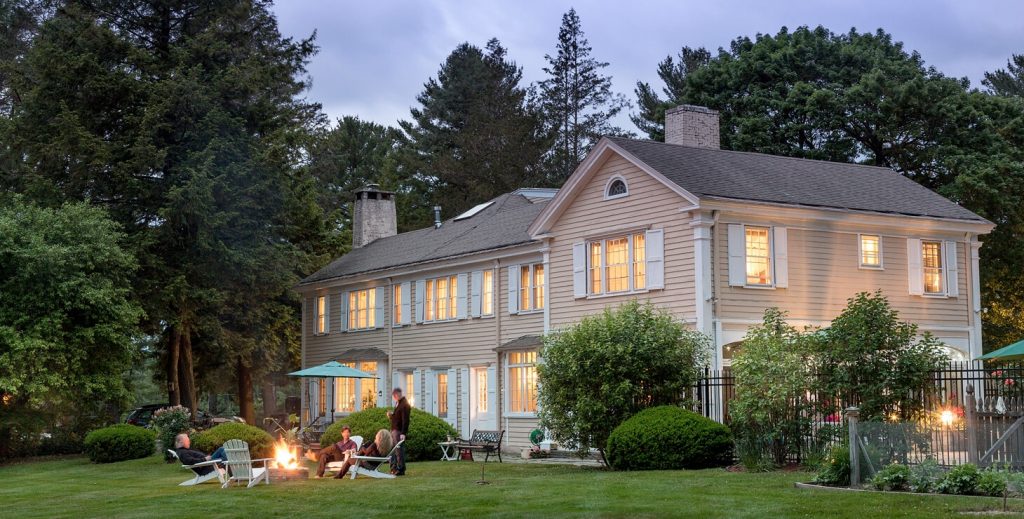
{"points": [[330, 369], [1014, 351]]}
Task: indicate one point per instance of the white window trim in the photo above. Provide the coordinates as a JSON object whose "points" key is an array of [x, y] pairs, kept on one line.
{"points": [[631, 290], [944, 271], [327, 315], [608, 185], [860, 253], [395, 303], [358, 388], [771, 258], [494, 294], [370, 310], [531, 289], [448, 277], [505, 413]]}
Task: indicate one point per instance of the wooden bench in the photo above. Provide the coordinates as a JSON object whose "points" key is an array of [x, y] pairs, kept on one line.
{"points": [[488, 442]]}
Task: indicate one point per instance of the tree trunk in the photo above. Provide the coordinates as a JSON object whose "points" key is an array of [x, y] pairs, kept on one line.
{"points": [[214, 409], [173, 393], [187, 379], [245, 407], [269, 393]]}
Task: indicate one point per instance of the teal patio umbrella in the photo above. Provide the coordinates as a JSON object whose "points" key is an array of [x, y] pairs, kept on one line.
{"points": [[332, 369], [1014, 351]]}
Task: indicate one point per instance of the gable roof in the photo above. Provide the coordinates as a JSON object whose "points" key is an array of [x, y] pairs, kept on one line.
{"points": [[715, 173], [501, 224]]}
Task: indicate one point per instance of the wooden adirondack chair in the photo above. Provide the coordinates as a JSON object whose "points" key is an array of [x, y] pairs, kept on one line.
{"points": [[242, 466], [336, 465], [377, 463], [217, 472]]}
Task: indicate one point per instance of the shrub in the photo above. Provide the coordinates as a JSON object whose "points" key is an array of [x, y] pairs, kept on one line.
{"points": [[771, 375], [893, 477], [168, 423], [962, 479], [425, 431], [992, 482], [118, 443], [260, 442], [924, 476], [668, 437], [610, 366], [835, 470]]}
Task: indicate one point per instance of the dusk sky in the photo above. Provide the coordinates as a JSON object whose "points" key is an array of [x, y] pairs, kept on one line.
{"points": [[374, 56]]}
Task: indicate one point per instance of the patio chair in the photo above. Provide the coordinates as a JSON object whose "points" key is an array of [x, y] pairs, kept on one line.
{"points": [[242, 467], [377, 462], [217, 472], [336, 465]]}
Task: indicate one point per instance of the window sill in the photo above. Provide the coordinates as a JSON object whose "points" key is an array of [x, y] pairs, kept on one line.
{"points": [[618, 294], [869, 267], [935, 296], [519, 415], [529, 312], [438, 321], [760, 287], [360, 330], [321, 334]]}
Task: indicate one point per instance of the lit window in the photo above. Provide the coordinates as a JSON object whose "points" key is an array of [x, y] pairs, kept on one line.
{"points": [[442, 395], [351, 395], [322, 396], [481, 390], [870, 251], [410, 389], [441, 298], [931, 261], [361, 309], [487, 293], [345, 393], [531, 287], [396, 312], [758, 256], [617, 188], [368, 386], [618, 264], [522, 382], [321, 314]]}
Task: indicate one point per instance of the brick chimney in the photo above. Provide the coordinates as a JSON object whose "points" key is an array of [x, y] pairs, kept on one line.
{"points": [[373, 215], [692, 125]]}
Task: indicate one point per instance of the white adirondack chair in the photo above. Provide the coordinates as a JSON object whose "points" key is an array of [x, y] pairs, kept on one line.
{"points": [[217, 472], [375, 472], [242, 467], [336, 465]]}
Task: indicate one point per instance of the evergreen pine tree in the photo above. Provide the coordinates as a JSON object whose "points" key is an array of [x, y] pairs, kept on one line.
{"points": [[577, 101], [651, 118]]}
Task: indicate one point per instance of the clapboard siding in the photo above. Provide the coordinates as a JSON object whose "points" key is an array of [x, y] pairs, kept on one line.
{"points": [[516, 326], [650, 204], [517, 433], [824, 272], [323, 348]]}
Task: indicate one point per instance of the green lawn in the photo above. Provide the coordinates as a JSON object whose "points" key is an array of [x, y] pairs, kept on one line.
{"points": [[148, 488]]}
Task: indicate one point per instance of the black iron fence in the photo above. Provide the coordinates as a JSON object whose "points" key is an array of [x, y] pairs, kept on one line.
{"points": [[969, 412]]}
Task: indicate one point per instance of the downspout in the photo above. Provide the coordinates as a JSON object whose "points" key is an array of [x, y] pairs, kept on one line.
{"points": [[499, 408]]}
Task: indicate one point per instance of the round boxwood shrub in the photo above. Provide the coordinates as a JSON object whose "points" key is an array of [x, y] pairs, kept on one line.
{"points": [[668, 437], [260, 442], [425, 431], [119, 442]]}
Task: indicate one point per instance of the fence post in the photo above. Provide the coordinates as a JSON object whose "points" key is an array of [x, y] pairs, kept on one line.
{"points": [[970, 408], [852, 414]]}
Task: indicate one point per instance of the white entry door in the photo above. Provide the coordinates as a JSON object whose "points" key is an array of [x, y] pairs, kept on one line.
{"points": [[483, 399]]}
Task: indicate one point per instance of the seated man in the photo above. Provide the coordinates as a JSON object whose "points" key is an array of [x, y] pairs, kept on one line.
{"points": [[337, 452], [191, 457], [380, 447]]}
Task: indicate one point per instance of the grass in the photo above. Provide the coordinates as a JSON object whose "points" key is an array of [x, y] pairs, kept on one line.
{"points": [[148, 488]]}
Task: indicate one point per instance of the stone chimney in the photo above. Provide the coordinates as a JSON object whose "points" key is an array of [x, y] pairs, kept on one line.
{"points": [[692, 125], [373, 215]]}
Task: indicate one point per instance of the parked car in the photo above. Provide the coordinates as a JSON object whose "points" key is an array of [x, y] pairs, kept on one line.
{"points": [[142, 415]]}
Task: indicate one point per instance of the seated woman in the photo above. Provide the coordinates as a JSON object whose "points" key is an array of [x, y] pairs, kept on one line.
{"points": [[380, 447], [337, 452]]}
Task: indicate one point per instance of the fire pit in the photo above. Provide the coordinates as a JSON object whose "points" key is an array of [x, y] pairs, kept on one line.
{"points": [[285, 466]]}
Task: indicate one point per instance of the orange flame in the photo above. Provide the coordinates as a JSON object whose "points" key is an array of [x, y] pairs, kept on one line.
{"points": [[284, 456]]}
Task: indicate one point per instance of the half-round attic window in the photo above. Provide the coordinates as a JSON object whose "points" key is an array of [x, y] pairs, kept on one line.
{"points": [[616, 188]]}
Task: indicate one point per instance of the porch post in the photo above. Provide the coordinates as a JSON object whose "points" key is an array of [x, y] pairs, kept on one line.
{"points": [[852, 415]]}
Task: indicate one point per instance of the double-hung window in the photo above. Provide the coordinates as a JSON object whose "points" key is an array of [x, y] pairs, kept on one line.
{"points": [[487, 293], [321, 315], [440, 298], [351, 395], [362, 306], [759, 256], [870, 251], [397, 297], [442, 394], [617, 264], [522, 382], [932, 265], [531, 287]]}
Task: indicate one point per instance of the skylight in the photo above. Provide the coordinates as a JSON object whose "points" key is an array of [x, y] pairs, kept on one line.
{"points": [[472, 212]]}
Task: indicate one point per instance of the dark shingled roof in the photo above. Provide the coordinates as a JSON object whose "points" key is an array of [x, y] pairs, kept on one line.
{"points": [[525, 342], [502, 224], [707, 172]]}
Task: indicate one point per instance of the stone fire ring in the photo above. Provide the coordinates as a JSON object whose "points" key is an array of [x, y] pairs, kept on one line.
{"points": [[279, 474]]}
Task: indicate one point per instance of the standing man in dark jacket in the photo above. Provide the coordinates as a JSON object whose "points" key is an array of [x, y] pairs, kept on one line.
{"points": [[399, 429]]}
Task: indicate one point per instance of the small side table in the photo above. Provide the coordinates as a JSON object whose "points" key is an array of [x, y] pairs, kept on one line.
{"points": [[448, 451]]}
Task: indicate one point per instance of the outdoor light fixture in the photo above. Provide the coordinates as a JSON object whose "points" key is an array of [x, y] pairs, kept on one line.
{"points": [[947, 417]]}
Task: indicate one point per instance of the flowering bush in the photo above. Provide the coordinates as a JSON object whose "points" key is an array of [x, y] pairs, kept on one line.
{"points": [[168, 423]]}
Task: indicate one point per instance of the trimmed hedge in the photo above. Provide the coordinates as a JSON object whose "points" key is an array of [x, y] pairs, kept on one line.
{"points": [[425, 431], [119, 442], [669, 437], [260, 442]]}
